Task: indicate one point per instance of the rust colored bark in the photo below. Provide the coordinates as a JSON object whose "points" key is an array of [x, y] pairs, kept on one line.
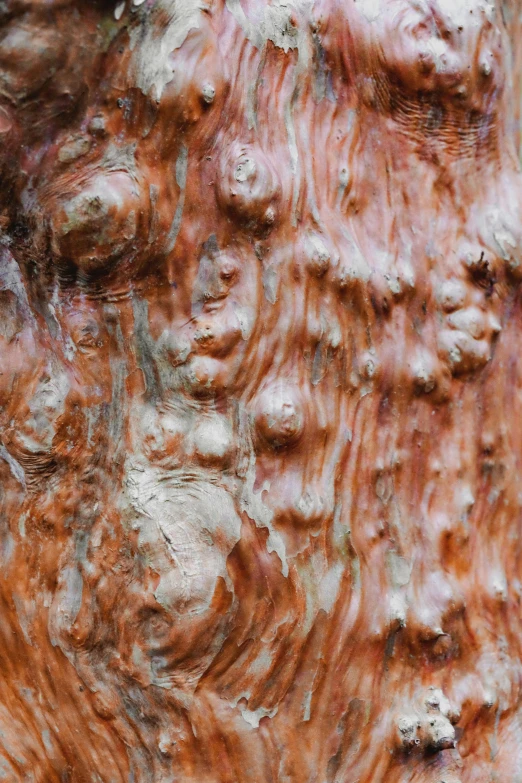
{"points": [[260, 391]]}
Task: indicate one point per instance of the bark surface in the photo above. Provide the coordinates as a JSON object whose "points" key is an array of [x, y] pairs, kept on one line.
{"points": [[260, 391]]}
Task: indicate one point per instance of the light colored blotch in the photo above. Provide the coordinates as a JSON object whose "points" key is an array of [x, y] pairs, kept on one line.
{"points": [[152, 48], [276, 25], [181, 180], [252, 717], [246, 319], [252, 32], [370, 9], [16, 469], [399, 569], [252, 503], [118, 11], [329, 587]]}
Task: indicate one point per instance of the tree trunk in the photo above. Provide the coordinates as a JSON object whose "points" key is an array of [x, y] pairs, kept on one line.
{"points": [[260, 391]]}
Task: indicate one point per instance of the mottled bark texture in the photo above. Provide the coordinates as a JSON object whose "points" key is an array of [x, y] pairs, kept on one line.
{"points": [[260, 391]]}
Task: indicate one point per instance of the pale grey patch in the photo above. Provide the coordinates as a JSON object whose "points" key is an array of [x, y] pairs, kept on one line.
{"points": [[93, 415], [151, 52], [71, 597], [7, 546], [344, 173], [399, 569], [21, 525], [253, 32], [144, 345], [6, 771], [11, 321], [21, 613], [320, 362], [294, 157], [276, 25], [252, 717], [251, 106], [118, 367], [354, 266], [270, 284], [153, 229], [246, 319], [252, 504], [181, 180], [329, 587], [11, 280], [16, 469], [46, 739], [120, 159]]}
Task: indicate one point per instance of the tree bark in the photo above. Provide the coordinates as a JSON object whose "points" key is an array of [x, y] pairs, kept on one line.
{"points": [[260, 391]]}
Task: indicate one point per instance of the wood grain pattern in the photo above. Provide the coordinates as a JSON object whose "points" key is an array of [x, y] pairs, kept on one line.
{"points": [[260, 391]]}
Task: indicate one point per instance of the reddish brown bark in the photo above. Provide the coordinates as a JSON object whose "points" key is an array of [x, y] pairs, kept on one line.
{"points": [[260, 389]]}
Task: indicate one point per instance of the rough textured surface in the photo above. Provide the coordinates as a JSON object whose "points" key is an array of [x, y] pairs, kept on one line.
{"points": [[260, 392]]}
